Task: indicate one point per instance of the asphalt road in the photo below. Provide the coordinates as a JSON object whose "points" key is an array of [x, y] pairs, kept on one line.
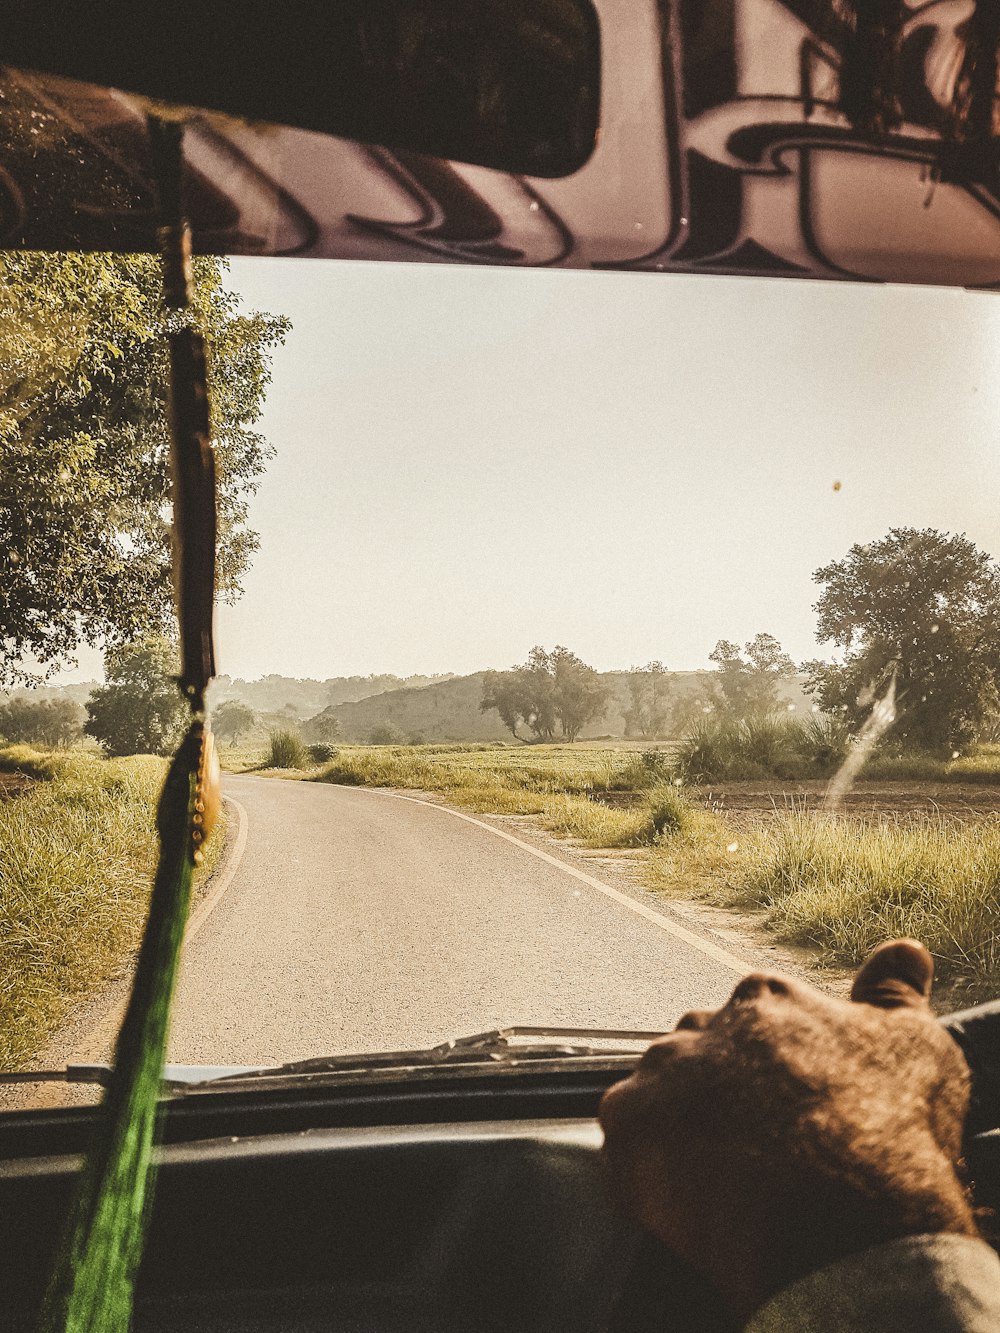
{"points": [[359, 921]]}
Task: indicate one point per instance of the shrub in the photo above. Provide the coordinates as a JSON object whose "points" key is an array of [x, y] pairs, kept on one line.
{"points": [[287, 750], [51, 722], [729, 751], [824, 742], [641, 771], [385, 734], [321, 753]]}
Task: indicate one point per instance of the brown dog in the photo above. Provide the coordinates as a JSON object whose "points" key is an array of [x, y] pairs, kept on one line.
{"points": [[789, 1129]]}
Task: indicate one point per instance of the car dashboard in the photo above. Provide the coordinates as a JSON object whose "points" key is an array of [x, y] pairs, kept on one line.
{"points": [[474, 1206]]}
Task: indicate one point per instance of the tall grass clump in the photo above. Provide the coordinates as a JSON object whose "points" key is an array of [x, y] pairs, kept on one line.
{"points": [[843, 886], [287, 751], [741, 750], [76, 857], [662, 813], [77, 853]]}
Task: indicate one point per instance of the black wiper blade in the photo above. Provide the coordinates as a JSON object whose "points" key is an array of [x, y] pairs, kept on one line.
{"points": [[71, 1074], [175, 1078], [500, 1046]]}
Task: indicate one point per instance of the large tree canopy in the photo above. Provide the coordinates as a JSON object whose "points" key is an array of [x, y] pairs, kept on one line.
{"points": [[922, 607], [84, 485], [549, 689]]}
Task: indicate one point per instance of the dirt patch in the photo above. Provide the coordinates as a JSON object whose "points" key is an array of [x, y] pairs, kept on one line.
{"points": [[14, 784], [617, 800], [956, 800]]}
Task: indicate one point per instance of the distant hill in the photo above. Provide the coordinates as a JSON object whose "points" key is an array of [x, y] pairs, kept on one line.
{"points": [[449, 710], [291, 695]]}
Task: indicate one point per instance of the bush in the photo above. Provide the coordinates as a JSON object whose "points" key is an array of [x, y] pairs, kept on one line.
{"points": [[764, 747], [321, 753], [287, 751], [824, 743], [385, 734], [641, 771], [729, 751]]}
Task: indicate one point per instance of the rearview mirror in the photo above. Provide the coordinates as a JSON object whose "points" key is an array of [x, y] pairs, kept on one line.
{"points": [[511, 84]]}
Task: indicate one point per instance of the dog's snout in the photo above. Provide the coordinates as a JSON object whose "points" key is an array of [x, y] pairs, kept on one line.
{"points": [[760, 983]]}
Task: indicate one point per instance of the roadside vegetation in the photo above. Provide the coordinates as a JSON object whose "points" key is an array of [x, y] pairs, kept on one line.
{"points": [[77, 853], [839, 885], [603, 797]]}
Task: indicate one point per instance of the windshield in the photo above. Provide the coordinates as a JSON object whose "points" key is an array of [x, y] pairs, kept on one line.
{"points": [[552, 604]]}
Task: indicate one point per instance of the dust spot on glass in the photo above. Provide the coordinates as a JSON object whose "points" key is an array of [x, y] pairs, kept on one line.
{"points": [[533, 206], [791, 708], [837, 485], [935, 628], [956, 754], [678, 782], [638, 226], [684, 222], [733, 847]]}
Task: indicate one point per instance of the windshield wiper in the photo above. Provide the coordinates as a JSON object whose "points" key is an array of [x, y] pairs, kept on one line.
{"points": [[175, 1077], [501, 1046]]}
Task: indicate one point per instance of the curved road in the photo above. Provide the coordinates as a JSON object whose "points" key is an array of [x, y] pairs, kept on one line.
{"points": [[360, 921]]}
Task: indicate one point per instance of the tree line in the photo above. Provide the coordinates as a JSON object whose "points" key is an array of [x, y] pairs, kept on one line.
{"points": [[916, 613]]}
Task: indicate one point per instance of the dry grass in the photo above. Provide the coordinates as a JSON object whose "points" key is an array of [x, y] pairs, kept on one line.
{"points": [[842, 885], [563, 785], [77, 852]]}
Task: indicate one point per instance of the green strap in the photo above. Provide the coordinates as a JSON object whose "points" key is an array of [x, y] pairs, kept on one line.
{"points": [[91, 1287]]}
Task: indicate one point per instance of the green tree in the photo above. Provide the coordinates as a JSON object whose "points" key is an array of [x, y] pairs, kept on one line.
{"points": [[51, 722], [649, 699], [232, 719], [920, 606], [579, 695], [749, 679], [84, 488], [502, 691], [140, 710], [549, 690], [324, 728]]}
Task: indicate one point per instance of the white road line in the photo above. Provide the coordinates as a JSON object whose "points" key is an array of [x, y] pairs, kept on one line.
{"points": [[710, 950], [224, 877]]}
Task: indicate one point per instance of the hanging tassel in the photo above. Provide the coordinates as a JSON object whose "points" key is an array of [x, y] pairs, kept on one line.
{"points": [[871, 66], [91, 1289], [976, 86]]}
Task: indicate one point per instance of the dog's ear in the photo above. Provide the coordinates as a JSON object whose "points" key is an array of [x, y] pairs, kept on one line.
{"points": [[898, 975]]}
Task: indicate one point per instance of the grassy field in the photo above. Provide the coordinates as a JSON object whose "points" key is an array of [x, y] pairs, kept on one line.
{"points": [[907, 863], [77, 852]]}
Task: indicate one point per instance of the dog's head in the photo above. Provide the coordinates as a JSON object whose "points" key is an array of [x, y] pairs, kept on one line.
{"points": [[789, 1128]]}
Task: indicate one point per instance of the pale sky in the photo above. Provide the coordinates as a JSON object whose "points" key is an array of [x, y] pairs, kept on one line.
{"points": [[471, 461]]}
